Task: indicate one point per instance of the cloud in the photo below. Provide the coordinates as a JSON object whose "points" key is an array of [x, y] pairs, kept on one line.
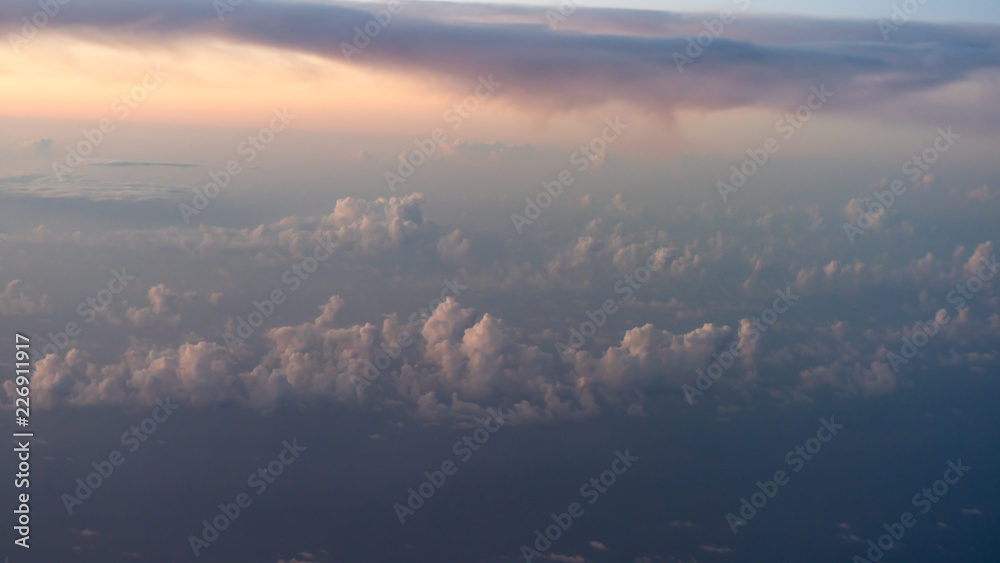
{"points": [[460, 361], [130, 164], [201, 373], [76, 186], [38, 146], [14, 301], [456, 365], [606, 251], [454, 247], [161, 300], [774, 60], [361, 228], [22, 179], [649, 358], [385, 227]]}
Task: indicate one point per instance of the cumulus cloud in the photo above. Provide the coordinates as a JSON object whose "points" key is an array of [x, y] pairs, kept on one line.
{"points": [[356, 228], [605, 251], [453, 363], [984, 254], [449, 368], [454, 247], [14, 301], [161, 300], [201, 373]]}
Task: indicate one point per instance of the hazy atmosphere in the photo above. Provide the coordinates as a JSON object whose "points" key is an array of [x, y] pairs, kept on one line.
{"points": [[302, 281]]}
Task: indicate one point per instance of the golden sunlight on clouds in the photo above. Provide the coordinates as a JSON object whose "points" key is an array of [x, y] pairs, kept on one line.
{"points": [[212, 83], [225, 84]]}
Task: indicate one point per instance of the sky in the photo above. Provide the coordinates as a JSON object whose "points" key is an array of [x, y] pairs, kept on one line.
{"points": [[964, 11], [641, 282]]}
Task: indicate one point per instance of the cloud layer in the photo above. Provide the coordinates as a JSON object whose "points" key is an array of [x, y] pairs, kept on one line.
{"points": [[601, 56]]}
